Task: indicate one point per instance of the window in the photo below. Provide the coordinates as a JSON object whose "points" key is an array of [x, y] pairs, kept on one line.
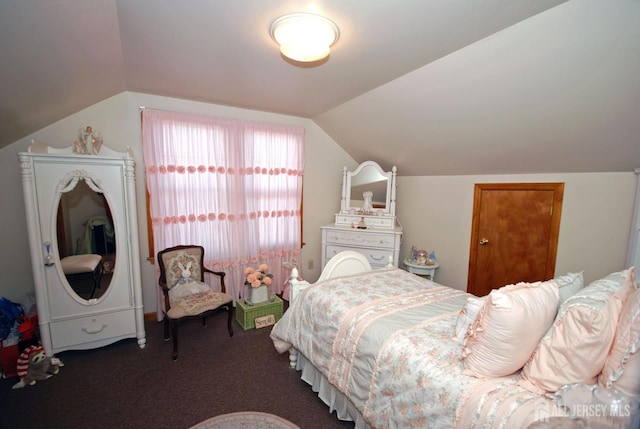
{"points": [[232, 186]]}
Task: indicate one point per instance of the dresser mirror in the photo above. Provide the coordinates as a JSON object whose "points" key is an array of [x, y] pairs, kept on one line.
{"points": [[368, 180], [369, 190], [84, 226], [368, 197]]}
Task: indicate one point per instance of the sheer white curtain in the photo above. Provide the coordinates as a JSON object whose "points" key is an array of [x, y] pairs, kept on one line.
{"points": [[231, 186]]}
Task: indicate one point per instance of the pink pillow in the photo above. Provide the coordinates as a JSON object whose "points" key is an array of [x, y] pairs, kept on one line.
{"points": [[576, 346], [508, 328], [622, 367], [629, 380]]}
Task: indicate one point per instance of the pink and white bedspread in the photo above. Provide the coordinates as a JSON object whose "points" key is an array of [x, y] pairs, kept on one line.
{"points": [[385, 339]]}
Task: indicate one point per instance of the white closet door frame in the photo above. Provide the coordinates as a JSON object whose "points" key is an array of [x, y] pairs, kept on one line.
{"points": [[633, 254]]}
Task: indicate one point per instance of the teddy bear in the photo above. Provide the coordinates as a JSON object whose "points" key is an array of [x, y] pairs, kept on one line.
{"points": [[34, 365]]}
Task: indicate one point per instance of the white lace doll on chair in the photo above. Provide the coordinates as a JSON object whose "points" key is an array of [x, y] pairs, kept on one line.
{"points": [[187, 286]]}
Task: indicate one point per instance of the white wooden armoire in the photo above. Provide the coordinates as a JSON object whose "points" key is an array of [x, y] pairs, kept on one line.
{"points": [[66, 319]]}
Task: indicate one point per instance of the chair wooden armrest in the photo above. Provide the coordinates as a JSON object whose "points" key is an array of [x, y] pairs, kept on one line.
{"points": [[219, 274], [165, 292]]}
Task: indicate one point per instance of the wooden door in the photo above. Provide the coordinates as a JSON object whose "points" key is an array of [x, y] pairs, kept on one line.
{"points": [[514, 234]]}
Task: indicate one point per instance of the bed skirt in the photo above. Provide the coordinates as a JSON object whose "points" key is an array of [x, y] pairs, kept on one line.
{"points": [[332, 397]]}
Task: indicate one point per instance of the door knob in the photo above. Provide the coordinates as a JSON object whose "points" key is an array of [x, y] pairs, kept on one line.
{"points": [[484, 241]]}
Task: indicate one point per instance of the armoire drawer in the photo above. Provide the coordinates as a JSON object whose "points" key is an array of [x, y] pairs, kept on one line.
{"points": [[360, 238], [378, 258], [94, 328]]}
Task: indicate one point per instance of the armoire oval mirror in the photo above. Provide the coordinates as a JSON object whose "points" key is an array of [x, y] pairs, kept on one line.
{"points": [[86, 241]]}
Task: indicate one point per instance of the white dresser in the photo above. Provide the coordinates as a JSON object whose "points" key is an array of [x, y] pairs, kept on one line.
{"points": [[367, 220], [377, 245]]}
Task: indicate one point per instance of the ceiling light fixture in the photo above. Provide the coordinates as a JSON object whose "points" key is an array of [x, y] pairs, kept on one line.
{"points": [[303, 36]]}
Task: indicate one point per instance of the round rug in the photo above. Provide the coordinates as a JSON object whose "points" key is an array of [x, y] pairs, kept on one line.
{"points": [[246, 420]]}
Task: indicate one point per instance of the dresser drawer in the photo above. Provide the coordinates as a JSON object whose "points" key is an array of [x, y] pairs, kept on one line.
{"points": [[371, 221], [360, 238], [378, 258], [94, 328]]}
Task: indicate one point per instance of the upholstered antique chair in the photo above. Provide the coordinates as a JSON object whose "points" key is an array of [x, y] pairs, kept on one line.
{"points": [[186, 296]]}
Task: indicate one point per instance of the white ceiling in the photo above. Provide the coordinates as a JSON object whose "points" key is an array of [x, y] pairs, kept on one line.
{"points": [[432, 86]]}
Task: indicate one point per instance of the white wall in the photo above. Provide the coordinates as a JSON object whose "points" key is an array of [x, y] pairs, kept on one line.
{"points": [[434, 210], [436, 213], [118, 119]]}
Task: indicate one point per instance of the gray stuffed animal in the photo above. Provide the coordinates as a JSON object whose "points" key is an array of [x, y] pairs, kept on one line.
{"points": [[34, 365]]}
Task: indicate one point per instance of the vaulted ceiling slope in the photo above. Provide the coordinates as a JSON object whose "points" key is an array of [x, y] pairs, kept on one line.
{"points": [[432, 86]]}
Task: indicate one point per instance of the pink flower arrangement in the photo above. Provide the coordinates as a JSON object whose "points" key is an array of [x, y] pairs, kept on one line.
{"points": [[257, 278]]}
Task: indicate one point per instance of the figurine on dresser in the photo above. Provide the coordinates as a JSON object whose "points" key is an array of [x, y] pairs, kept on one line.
{"points": [[367, 224]]}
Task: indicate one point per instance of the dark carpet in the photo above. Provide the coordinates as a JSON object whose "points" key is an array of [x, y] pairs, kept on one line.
{"points": [[123, 386]]}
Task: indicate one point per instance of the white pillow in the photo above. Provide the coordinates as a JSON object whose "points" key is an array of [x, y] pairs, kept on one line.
{"points": [[568, 285], [508, 328], [575, 348]]}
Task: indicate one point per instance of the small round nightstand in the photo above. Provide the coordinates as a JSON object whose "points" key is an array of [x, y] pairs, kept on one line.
{"points": [[428, 271]]}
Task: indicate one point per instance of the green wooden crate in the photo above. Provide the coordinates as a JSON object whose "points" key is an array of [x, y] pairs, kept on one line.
{"points": [[246, 314]]}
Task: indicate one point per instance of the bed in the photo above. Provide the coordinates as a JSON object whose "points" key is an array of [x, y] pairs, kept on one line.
{"points": [[388, 349]]}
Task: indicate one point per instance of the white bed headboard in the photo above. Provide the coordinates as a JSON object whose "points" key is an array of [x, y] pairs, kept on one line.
{"points": [[345, 263]]}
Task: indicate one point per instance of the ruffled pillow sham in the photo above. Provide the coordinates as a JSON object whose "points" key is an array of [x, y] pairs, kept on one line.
{"points": [[622, 367], [508, 328], [576, 346], [568, 285]]}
